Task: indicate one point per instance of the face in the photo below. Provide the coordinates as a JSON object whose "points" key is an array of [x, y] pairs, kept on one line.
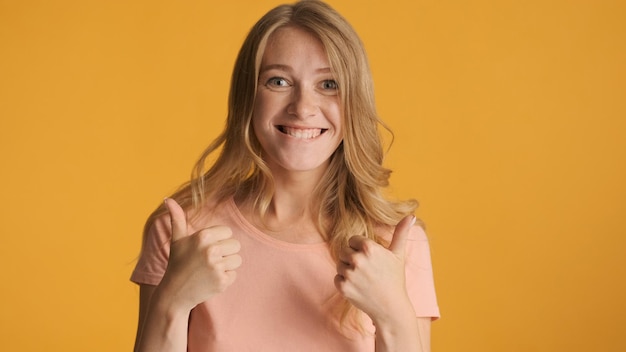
{"points": [[297, 115]]}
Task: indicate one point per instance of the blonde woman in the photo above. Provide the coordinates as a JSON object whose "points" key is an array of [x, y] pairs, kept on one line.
{"points": [[286, 242]]}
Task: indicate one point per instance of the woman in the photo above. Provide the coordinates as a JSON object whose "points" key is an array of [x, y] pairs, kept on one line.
{"points": [[286, 242]]}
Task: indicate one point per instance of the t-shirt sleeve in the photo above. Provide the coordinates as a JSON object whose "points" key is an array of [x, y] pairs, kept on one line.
{"points": [[155, 252], [419, 275]]}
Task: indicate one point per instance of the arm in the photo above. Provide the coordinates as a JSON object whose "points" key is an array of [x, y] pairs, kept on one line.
{"points": [[162, 327], [145, 293], [411, 335], [200, 265]]}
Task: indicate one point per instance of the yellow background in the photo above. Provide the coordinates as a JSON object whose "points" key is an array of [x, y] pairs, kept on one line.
{"points": [[510, 122]]}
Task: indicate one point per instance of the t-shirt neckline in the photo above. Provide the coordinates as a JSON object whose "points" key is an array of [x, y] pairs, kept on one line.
{"points": [[256, 233]]}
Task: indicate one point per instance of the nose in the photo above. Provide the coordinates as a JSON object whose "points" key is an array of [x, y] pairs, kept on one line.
{"points": [[304, 103]]}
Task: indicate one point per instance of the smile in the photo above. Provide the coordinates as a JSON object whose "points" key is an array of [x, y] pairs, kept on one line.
{"points": [[302, 133]]}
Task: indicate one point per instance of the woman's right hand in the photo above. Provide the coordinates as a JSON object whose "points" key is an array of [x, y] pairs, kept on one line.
{"points": [[200, 265]]}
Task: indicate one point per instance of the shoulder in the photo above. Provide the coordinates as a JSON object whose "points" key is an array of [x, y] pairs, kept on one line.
{"points": [[213, 212]]}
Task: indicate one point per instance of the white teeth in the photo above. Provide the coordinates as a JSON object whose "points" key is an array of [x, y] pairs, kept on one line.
{"points": [[306, 133]]}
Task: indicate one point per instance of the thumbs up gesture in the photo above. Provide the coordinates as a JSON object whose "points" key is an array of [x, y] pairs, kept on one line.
{"points": [[201, 264], [372, 277]]}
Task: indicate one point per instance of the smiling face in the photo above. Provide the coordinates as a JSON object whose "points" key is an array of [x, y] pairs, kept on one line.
{"points": [[297, 113]]}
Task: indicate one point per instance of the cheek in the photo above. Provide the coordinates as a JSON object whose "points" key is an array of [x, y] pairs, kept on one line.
{"points": [[258, 113], [335, 114], [261, 119], [264, 107]]}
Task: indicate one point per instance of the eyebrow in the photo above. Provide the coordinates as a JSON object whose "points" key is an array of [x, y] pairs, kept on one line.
{"points": [[288, 68]]}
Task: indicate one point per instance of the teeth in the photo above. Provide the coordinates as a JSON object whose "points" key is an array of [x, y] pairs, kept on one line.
{"points": [[307, 133]]}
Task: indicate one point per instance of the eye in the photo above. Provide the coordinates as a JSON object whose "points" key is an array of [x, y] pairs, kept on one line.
{"points": [[329, 84], [277, 82]]}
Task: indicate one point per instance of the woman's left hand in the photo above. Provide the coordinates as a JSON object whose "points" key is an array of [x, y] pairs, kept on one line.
{"points": [[372, 277]]}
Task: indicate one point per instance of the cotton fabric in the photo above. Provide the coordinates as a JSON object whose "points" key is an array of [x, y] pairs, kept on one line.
{"points": [[284, 298]]}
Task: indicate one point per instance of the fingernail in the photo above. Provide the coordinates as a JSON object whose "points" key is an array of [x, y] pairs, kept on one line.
{"points": [[413, 220]]}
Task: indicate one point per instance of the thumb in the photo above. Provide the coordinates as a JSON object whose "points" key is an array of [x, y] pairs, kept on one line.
{"points": [[401, 235], [178, 219]]}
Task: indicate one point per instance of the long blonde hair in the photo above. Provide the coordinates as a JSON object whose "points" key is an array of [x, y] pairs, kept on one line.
{"points": [[349, 198]]}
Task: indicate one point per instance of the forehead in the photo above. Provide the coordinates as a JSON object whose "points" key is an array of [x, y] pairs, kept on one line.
{"points": [[292, 42]]}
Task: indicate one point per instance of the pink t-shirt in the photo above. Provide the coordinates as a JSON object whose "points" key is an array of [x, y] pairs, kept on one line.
{"points": [[284, 298]]}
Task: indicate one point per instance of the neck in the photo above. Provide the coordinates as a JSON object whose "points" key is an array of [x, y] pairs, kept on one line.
{"points": [[289, 207], [290, 216], [293, 192]]}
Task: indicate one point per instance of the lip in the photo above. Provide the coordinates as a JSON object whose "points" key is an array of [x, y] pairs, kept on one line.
{"points": [[304, 133]]}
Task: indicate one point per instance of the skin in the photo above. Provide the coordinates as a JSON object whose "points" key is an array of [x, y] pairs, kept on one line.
{"points": [[372, 278], [297, 120]]}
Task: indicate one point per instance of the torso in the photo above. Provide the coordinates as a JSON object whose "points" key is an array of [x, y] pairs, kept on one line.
{"points": [[283, 299]]}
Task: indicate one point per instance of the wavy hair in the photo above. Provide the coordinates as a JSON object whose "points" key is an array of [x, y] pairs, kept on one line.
{"points": [[349, 198]]}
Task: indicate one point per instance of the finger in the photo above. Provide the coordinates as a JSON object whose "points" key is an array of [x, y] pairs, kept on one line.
{"points": [[342, 285], [346, 254], [343, 268], [229, 247], [177, 218], [339, 282], [400, 236], [232, 275], [232, 262], [357, 243]]}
